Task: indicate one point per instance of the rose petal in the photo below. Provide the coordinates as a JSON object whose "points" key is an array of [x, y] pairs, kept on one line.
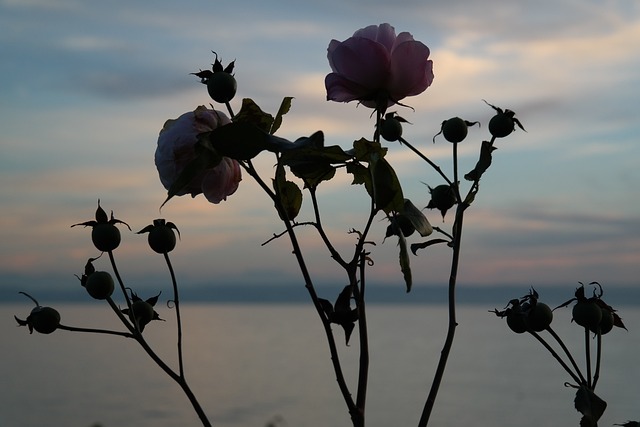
{"points": [[221, 181], [362, 61], [340, 89], [384, 34], [411, 71]]}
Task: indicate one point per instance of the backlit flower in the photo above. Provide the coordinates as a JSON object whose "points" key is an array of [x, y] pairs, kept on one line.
{"points": [[175, 150], [377, 68]]}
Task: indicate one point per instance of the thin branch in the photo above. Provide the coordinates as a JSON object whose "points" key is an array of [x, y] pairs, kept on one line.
{"points": [[95, 331], [126, 295], [568, 353], [426, 159], [316, 211], [444, 355], [556, 356], [363, 368], [587, 353], [297, 251], [167, 370], [176, 301], [596, 375]]}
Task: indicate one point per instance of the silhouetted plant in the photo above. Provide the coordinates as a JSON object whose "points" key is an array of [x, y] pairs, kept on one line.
{"points": [[205, 151]]}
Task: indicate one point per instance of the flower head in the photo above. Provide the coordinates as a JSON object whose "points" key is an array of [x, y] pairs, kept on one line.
{"points": [[176, 149], [377, 68]]}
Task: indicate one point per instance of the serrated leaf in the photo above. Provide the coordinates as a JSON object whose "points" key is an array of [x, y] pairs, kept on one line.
{"points": [[291, 199], [314, 164], [416, 246], [285, 106], [361, 174], [364, 150], [486, 150], [289, 195], [589, 404], [252, 114], [405, 264], [316, 140], [341, 314], [386, 187], [239, 141], [417, 218]]}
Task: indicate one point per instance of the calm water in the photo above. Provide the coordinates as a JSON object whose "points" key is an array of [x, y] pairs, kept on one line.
{"points": [[251, 363]]}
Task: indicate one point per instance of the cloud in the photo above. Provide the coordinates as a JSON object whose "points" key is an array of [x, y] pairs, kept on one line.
{"points": [[88, 89]]}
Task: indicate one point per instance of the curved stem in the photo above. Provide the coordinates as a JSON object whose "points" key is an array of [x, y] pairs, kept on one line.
{"points": [[587, 353], [363, 371], [316, 211], [124, 291], [568, 353], [356, 417], [456, 188], [448, 343], [176, 301], [596, 375], [426, 159], [95, 331], [167, 370], [557, 357], [229, 109]]}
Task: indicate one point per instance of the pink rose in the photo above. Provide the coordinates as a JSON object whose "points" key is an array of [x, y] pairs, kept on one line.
{"points": [[176, 149], [377, 68]]}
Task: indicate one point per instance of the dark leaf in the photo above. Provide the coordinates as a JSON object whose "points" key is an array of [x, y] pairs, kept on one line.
{"points": [[312, 163], [153, 300], [285, 106], [250, 113], [361, 175], [312, 172], [589, 404], [386, 187], [289, 195], [101, 215], [239, 141], [417, 218], [405, 264], [204, 75], [343, 314], [348, 329], [416, 246], [483, 163], [364, 149], [316, 140]]}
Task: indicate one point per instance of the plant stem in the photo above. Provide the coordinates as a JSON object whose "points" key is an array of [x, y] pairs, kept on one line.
{"points": [[587, 353], [318, 223], [426, 159], [95, 331], [124, 291], [556, 356], [363, 368], [596, 375], [170, 372], [176, 301], [448, 343], [568, 353], [356, 417]]}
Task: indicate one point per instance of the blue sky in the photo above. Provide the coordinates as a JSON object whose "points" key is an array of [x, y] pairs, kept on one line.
{"points": [[86, 87]]}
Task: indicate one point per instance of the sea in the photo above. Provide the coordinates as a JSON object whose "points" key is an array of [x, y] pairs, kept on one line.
{"points": [[259, 365]]}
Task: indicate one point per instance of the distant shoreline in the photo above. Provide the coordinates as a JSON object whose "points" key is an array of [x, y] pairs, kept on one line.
{"points": [[492, 296]]}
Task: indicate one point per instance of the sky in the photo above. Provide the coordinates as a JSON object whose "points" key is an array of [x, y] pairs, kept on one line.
{"points": [[86, 87]]}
